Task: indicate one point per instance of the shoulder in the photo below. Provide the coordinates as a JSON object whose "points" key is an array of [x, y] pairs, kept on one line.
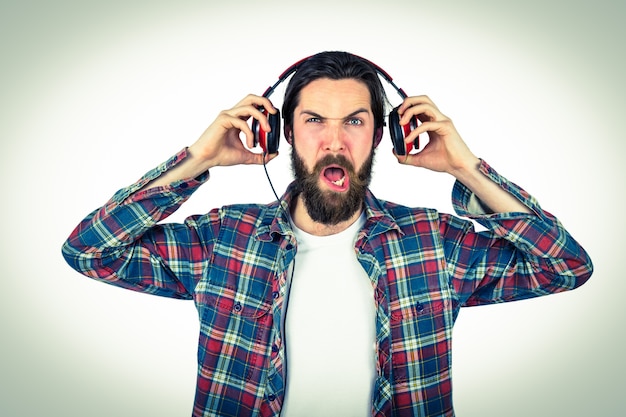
{"points": [[405, 215], [244, 218], [422, 220], [252, 214]]}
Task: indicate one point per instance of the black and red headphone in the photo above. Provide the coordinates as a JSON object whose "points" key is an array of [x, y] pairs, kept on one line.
{"points": [[269, 141]]}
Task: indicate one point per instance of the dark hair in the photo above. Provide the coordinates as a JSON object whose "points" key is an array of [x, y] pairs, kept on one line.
{"points": [[335, 65]]}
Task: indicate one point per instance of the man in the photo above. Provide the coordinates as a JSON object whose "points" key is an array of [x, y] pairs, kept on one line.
{"points": [[329, 302]]}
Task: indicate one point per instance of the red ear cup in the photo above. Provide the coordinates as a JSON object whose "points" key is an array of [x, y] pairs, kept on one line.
{"points": [[399, 133], [268, 141]]}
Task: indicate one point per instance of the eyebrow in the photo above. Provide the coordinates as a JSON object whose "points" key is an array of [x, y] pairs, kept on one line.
{"points": [[319, 116]]}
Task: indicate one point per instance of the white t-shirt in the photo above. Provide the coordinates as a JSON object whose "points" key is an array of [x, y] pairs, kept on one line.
{"points": [[330, 329]]}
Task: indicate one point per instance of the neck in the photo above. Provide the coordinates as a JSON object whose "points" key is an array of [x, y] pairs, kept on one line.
{"points": [[304, 222]]}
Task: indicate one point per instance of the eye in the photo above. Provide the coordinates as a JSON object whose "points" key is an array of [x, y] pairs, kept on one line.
{"points": [[313, 120], [353, 121]]}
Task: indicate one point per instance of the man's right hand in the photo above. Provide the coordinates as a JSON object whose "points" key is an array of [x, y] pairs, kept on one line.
{"points": [[221, 143]]}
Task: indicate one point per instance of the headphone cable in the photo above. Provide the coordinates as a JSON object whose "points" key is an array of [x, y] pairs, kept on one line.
{"points": [[270, 180]]}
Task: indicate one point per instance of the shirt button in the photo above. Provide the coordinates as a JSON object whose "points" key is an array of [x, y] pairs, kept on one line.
{"points": [[274, 348], [237, 307], [289, 246], [271, 397], [275, 294]]}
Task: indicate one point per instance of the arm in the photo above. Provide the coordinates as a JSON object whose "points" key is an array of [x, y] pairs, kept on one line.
{"points": [[525, 253], [521, 255], [122, 244]]}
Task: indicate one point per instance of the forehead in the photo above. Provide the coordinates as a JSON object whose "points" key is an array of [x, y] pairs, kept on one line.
{"points": [[331, 96]]}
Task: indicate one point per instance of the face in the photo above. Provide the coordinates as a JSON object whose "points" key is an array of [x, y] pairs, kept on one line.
{"points": [[333, 130]]}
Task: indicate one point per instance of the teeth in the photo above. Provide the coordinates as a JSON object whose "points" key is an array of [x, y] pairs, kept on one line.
{"points": [[339, 182]]}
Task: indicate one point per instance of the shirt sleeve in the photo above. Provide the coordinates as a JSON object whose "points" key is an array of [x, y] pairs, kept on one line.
{"points": [[122, 244], [519, 256]]}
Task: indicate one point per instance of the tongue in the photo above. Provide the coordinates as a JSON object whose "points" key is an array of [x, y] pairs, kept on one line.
{"points": [[334, 173]]}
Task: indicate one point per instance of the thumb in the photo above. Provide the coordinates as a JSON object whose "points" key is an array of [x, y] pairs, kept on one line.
{"points": [[262, 158]]}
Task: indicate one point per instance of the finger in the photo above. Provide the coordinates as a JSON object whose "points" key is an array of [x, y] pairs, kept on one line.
{"points": [[270, 156], [243, 114], [258, 110], [438, 127], [248, 134], [416, 101], [269, 106], [257, 101], [413, 159], [424, 112], [259, 158], [401, 158], [230, 123]]}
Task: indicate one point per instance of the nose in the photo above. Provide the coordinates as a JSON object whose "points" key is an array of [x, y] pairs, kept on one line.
{"points": [[334, 139]]}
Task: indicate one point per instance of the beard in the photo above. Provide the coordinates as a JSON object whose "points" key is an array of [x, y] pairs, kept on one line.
{"points": [[326, 206]]}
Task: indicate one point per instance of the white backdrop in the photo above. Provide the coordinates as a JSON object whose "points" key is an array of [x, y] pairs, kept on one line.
{"points": [[93, 94]]}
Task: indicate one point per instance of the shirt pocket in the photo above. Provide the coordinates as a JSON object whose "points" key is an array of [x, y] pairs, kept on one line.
{"points": [[421, 328], [234, 334]]}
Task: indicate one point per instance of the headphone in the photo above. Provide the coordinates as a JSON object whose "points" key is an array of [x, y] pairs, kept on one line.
{"points": [[269, 141]]}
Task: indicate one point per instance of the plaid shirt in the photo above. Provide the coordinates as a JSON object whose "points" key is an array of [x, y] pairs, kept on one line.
{"points": [[233, 262]]}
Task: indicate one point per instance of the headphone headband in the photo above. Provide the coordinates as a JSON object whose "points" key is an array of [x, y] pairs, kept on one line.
{"points": [[294, 67]]}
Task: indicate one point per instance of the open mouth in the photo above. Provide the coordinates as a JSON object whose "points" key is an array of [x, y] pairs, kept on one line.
{"points": [[336, 177]]}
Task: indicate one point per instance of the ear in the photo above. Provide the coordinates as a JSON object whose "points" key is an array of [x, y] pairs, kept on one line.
{"points": [[288, 130], [378, 135]]}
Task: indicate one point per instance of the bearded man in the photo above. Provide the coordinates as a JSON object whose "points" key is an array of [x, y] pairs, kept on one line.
{"points": [[328, 302]]}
